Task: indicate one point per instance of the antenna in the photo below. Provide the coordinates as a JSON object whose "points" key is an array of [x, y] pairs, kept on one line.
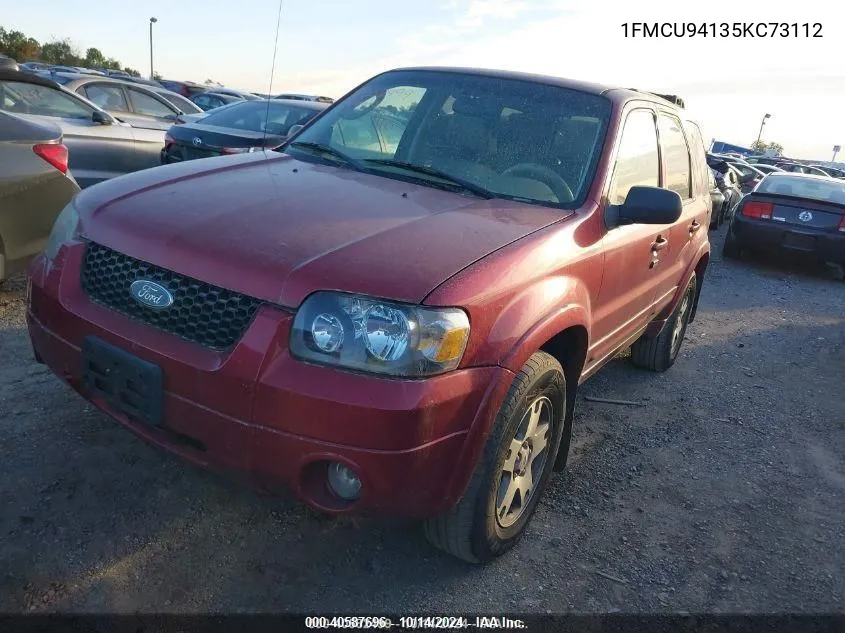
{"points": [[272, 72]]}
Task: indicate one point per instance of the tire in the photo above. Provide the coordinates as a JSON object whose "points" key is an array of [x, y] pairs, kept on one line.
{"points": [[660, 352], [731, 248], [474, 530]]}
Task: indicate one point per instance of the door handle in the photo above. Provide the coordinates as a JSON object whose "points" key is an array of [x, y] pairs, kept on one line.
{"points": [[659, 244], [694, 226]]}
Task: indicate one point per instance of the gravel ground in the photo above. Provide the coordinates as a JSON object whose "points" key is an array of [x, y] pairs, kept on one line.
{"points": [[723, 492]]}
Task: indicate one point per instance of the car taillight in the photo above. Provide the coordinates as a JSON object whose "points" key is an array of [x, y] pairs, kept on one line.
{"points": [[842, 224], [758, 210], [168, 141], [53, 153]]}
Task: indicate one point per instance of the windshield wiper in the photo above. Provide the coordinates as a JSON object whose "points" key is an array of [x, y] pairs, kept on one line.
{"points": [[477, 190], [328, 150]]}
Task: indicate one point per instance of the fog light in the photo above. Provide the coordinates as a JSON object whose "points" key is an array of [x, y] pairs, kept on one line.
{"points": [[343, 482]]}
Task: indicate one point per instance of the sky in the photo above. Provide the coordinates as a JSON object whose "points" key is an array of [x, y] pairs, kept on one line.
{"points": [[330, 46]]}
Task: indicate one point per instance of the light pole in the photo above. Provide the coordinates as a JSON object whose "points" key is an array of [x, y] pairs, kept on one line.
{"points": [[153, 21], [762, 123], [836, 149]]}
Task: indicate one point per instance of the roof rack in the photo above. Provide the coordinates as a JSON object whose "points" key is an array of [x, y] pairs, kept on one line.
{"points": [[675, 99]]}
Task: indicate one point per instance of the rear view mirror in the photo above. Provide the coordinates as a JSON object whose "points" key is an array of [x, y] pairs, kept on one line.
{"points": [[648, 205], [295, 129], [101, 117]]}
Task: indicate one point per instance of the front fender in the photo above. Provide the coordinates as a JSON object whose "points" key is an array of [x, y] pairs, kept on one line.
{"points": [[536, 315]]}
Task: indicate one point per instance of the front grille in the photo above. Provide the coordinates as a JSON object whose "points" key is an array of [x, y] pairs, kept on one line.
{"points": [[211, 316]]}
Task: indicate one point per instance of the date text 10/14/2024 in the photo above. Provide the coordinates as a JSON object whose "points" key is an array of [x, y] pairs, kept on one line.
{"points": [[412, 622], [722, 29]]}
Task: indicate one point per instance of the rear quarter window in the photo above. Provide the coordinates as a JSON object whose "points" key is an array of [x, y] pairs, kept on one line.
{"points": [[698, 155]]}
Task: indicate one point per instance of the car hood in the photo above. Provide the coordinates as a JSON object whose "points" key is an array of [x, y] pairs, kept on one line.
{"points": [[278, 229]]}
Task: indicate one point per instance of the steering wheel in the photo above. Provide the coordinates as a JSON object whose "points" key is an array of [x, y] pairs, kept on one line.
{"points": [[545, 175]]}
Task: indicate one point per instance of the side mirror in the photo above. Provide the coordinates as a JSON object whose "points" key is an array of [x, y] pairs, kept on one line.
{"points": [[101, 117], [648, 205], [295, 129]]}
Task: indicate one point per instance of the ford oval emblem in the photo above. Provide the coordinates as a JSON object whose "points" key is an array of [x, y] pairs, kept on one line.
{"points": [[150, 294]]}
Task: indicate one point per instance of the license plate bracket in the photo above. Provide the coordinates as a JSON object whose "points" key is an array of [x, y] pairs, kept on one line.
{"points": [[799, 241], [128, 384]]}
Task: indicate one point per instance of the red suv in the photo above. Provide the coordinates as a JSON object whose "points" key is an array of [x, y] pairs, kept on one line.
{"points": [[394, 313]]}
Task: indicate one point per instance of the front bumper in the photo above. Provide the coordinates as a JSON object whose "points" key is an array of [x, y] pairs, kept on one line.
{"points": [[258, 413], [770, 236]]}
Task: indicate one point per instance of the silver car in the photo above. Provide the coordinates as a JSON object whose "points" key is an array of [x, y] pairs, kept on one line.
{"points": [[100, 146], [135, 104]]}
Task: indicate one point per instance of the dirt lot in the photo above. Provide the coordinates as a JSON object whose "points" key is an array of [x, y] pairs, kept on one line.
{"points": [[724, 492]]}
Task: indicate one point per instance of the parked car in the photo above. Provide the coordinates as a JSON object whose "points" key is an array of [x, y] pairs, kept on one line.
{"points": [[797, 213], [764, 160], [88, 71], [35, 186], [717, 202], [185, 88], [727, 179], [137, 105], [33, 67], [749, 176], [144, 82], [99, 145], [64, 69], [248, 96], [830, 171], [803, 169], [185, 106], [197, 116], [400, 331], [8, 63], [767, 169], [211, 100], [300, 97], [245, 127], [117, 74]]}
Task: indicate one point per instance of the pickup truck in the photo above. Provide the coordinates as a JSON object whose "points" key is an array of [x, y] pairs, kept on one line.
{"points": [[388, 321]]}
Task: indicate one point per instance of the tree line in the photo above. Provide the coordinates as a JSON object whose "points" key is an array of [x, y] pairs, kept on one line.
{"points": [[763, 147], [22, 48]]}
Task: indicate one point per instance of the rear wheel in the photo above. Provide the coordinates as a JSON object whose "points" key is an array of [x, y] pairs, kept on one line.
{"points": [[513, 470], [660, 352]]}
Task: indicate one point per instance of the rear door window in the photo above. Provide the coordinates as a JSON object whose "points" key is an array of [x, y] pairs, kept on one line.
{"points": [[107, 96], [637, 161], [143, 103], [676, 158], [699, 157]]}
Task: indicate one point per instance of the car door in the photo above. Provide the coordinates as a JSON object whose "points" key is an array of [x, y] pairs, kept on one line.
{"points": [[96, 151], [633, 252], [678, 169], [153, 116]]}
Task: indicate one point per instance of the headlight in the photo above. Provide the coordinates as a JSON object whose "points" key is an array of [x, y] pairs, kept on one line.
{"points": [[64, 230], [379, 336]]}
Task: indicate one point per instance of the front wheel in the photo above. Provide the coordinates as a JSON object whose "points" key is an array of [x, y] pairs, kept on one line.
{"points": [[660, 352], [513, 470]]}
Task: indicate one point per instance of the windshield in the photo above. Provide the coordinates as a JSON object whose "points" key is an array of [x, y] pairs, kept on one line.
{"points": [[514, 138], [820, 189], [252, 116]]}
